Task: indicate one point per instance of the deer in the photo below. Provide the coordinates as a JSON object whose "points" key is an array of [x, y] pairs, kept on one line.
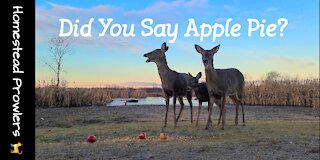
{"points": [[174, 84], [221, 83], [201, 92]]}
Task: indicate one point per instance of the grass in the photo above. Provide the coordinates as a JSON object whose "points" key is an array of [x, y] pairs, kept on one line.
{"points": [[257, 129], [184, 138]]}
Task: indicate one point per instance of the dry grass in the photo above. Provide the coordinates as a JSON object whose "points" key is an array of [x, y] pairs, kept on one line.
{"points": [[284, 92], [281, 92], [65, 97]]}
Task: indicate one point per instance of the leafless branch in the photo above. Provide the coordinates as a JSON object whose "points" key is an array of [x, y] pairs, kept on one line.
{"points": [[59, 47]]}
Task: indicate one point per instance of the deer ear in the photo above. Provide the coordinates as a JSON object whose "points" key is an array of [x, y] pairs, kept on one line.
{"points": [[198, 48], [215, 49], [199, 75], [164, 47]]}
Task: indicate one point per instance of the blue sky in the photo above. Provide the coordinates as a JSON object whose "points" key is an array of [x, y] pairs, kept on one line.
{"points": [[104, 61]]}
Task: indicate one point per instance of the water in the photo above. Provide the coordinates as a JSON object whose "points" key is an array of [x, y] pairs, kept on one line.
{"points": [[150, 101]]}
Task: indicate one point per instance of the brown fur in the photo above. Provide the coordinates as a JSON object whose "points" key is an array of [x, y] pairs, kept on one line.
{"points": [[174, 84], [221, 83]]}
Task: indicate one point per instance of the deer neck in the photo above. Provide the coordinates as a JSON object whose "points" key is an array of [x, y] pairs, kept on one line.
{"points": [[163, 70], [211, 73], [212, 79]]}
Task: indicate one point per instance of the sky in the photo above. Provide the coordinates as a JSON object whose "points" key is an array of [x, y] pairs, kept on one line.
{"points": [[100, 61]]}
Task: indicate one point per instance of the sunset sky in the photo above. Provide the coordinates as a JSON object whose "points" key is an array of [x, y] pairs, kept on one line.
{"points": [[108, 61]]}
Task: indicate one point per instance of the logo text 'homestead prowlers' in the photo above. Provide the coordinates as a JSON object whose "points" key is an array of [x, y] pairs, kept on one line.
{"points": [[15, 70]]}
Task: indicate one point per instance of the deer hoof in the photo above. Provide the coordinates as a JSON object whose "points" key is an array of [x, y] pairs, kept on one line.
{"points": [[165, 125], [209, 126]]}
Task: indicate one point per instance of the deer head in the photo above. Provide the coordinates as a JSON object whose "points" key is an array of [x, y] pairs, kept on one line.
{"points": [[158, 55], [207, 55], [194, 81]]}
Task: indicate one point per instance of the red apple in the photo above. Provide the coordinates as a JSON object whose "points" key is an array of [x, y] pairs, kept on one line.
{"points": [[91, 139], [142, 135]]}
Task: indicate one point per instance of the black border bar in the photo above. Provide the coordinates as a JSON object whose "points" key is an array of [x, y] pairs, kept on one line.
{"points": [[18, 109]]}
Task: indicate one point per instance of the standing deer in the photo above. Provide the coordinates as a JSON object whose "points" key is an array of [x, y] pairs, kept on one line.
{"points": [[201, 92], [221, 83], [174, 84]]}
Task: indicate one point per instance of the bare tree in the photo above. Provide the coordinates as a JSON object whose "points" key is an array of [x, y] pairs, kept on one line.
{"points": [[59, 47]]}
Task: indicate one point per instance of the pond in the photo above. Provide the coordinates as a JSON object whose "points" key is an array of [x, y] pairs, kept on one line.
{"points": [[149, 101]]}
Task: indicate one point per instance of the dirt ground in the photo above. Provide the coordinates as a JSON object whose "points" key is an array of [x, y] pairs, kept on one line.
{"points": [[271, 132]]}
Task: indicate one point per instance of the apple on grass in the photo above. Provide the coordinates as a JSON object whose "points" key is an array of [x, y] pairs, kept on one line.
{"points": [[91, 138], [142, 135], [163, 136]]}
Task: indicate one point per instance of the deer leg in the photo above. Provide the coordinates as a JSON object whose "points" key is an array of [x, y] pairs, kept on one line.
{"points": [[240, 97], [236, 100], [243, 121], [209, 122], [237, 112], [218, 102], [181, 106], [167, 109], [199, 110], [189, 97], [223, 108], [174, 111], [220, 109]]}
